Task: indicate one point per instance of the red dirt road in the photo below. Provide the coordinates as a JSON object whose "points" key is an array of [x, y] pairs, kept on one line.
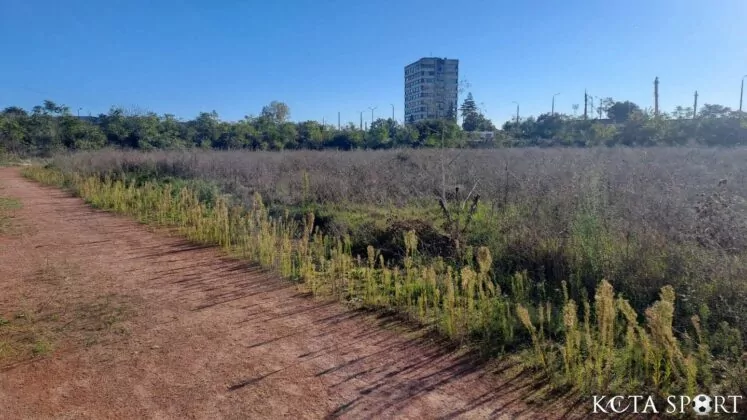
{"points": [[146, 325]]}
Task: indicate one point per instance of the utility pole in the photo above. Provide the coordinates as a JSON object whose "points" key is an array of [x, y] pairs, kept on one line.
{"points": [[393, 119], [338, 120], [586, 102], [599, 108], [517, 111], [741, 96], [695, 105], [592, 105], [656, 96], [372, 110], [361, 120], [553, 103], [740, 108]]}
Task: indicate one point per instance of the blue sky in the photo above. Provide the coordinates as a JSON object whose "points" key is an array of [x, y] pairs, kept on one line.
{"points": [[324, 56]]}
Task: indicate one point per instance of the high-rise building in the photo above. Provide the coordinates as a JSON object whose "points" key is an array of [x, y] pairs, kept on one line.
{"points": [[431, 89]]}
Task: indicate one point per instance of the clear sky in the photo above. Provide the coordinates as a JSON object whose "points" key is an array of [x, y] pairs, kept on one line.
{"points": [[324, 56]]}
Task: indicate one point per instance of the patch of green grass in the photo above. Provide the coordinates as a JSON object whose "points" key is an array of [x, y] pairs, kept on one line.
{"points": [[23, 336], [34, 331], [41, 347], [7, 208], [7, 159], [27, 334], [6, 350], [9, 204], [102, 315], [96, 320]]}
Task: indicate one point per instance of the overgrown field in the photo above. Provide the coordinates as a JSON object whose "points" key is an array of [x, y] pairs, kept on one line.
{"points": [[609, 269]]}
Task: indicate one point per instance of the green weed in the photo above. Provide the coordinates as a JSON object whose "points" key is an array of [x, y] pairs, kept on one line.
{"points": [[596, 344]]}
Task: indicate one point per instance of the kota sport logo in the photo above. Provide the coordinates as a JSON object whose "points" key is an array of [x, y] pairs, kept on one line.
{"points": [[701, 405]]}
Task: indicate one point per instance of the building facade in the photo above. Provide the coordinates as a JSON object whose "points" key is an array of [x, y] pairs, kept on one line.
{"points": [[431, 89]]}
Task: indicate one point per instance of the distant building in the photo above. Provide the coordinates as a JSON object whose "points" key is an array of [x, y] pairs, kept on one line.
{"points": [[480, 136], [431, 89]]}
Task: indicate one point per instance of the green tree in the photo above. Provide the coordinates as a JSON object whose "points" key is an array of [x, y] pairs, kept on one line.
{"points": [[44, 128], [438, 133], [472, 118], [145, 132], [310, 135], [277, 112], [709, 111], [348, 138], [379, 135], [548, 126], [115, 128], [288, 135], [79, 135], [483, 123], [682, 113], [206, 129], [14, 135], [406, 136], [621, 112], [172, 132], [639, 130], [14, 111], [469, 113]]}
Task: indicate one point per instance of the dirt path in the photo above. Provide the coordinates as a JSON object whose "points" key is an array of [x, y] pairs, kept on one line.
{"points": [[123, 322]]}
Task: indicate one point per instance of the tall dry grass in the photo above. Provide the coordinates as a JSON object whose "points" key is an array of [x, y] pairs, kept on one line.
{"points": [[642, 218], [612, 347]]}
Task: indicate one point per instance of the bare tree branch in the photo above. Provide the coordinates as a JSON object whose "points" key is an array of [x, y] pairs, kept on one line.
{"points": [[470, 194]]}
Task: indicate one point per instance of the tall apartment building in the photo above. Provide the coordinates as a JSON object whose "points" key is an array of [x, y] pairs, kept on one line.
{"points": [[431, 89]]}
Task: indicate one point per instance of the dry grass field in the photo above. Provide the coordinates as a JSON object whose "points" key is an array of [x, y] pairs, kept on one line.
{"points": [[602, 270]]}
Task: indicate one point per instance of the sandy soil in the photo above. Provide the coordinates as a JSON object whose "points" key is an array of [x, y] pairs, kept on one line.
{"points": [[112, 319]]}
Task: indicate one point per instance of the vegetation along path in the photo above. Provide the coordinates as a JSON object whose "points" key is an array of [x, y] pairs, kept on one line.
{"points": [[101, 317]]}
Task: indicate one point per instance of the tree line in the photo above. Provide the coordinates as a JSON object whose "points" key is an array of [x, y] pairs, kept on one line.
{"points": [[51, 128], [626, 124]]}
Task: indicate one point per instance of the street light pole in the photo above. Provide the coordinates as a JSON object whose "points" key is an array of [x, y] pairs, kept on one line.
{"points": [[361, 120], [393, 120], [553, 103], [599, 108], [517, 111], [741, 94], [82, 108], [372, 110]]}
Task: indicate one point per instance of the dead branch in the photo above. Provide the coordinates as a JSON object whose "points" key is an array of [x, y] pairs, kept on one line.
{"points": [[472, 211], [470, 193]]}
